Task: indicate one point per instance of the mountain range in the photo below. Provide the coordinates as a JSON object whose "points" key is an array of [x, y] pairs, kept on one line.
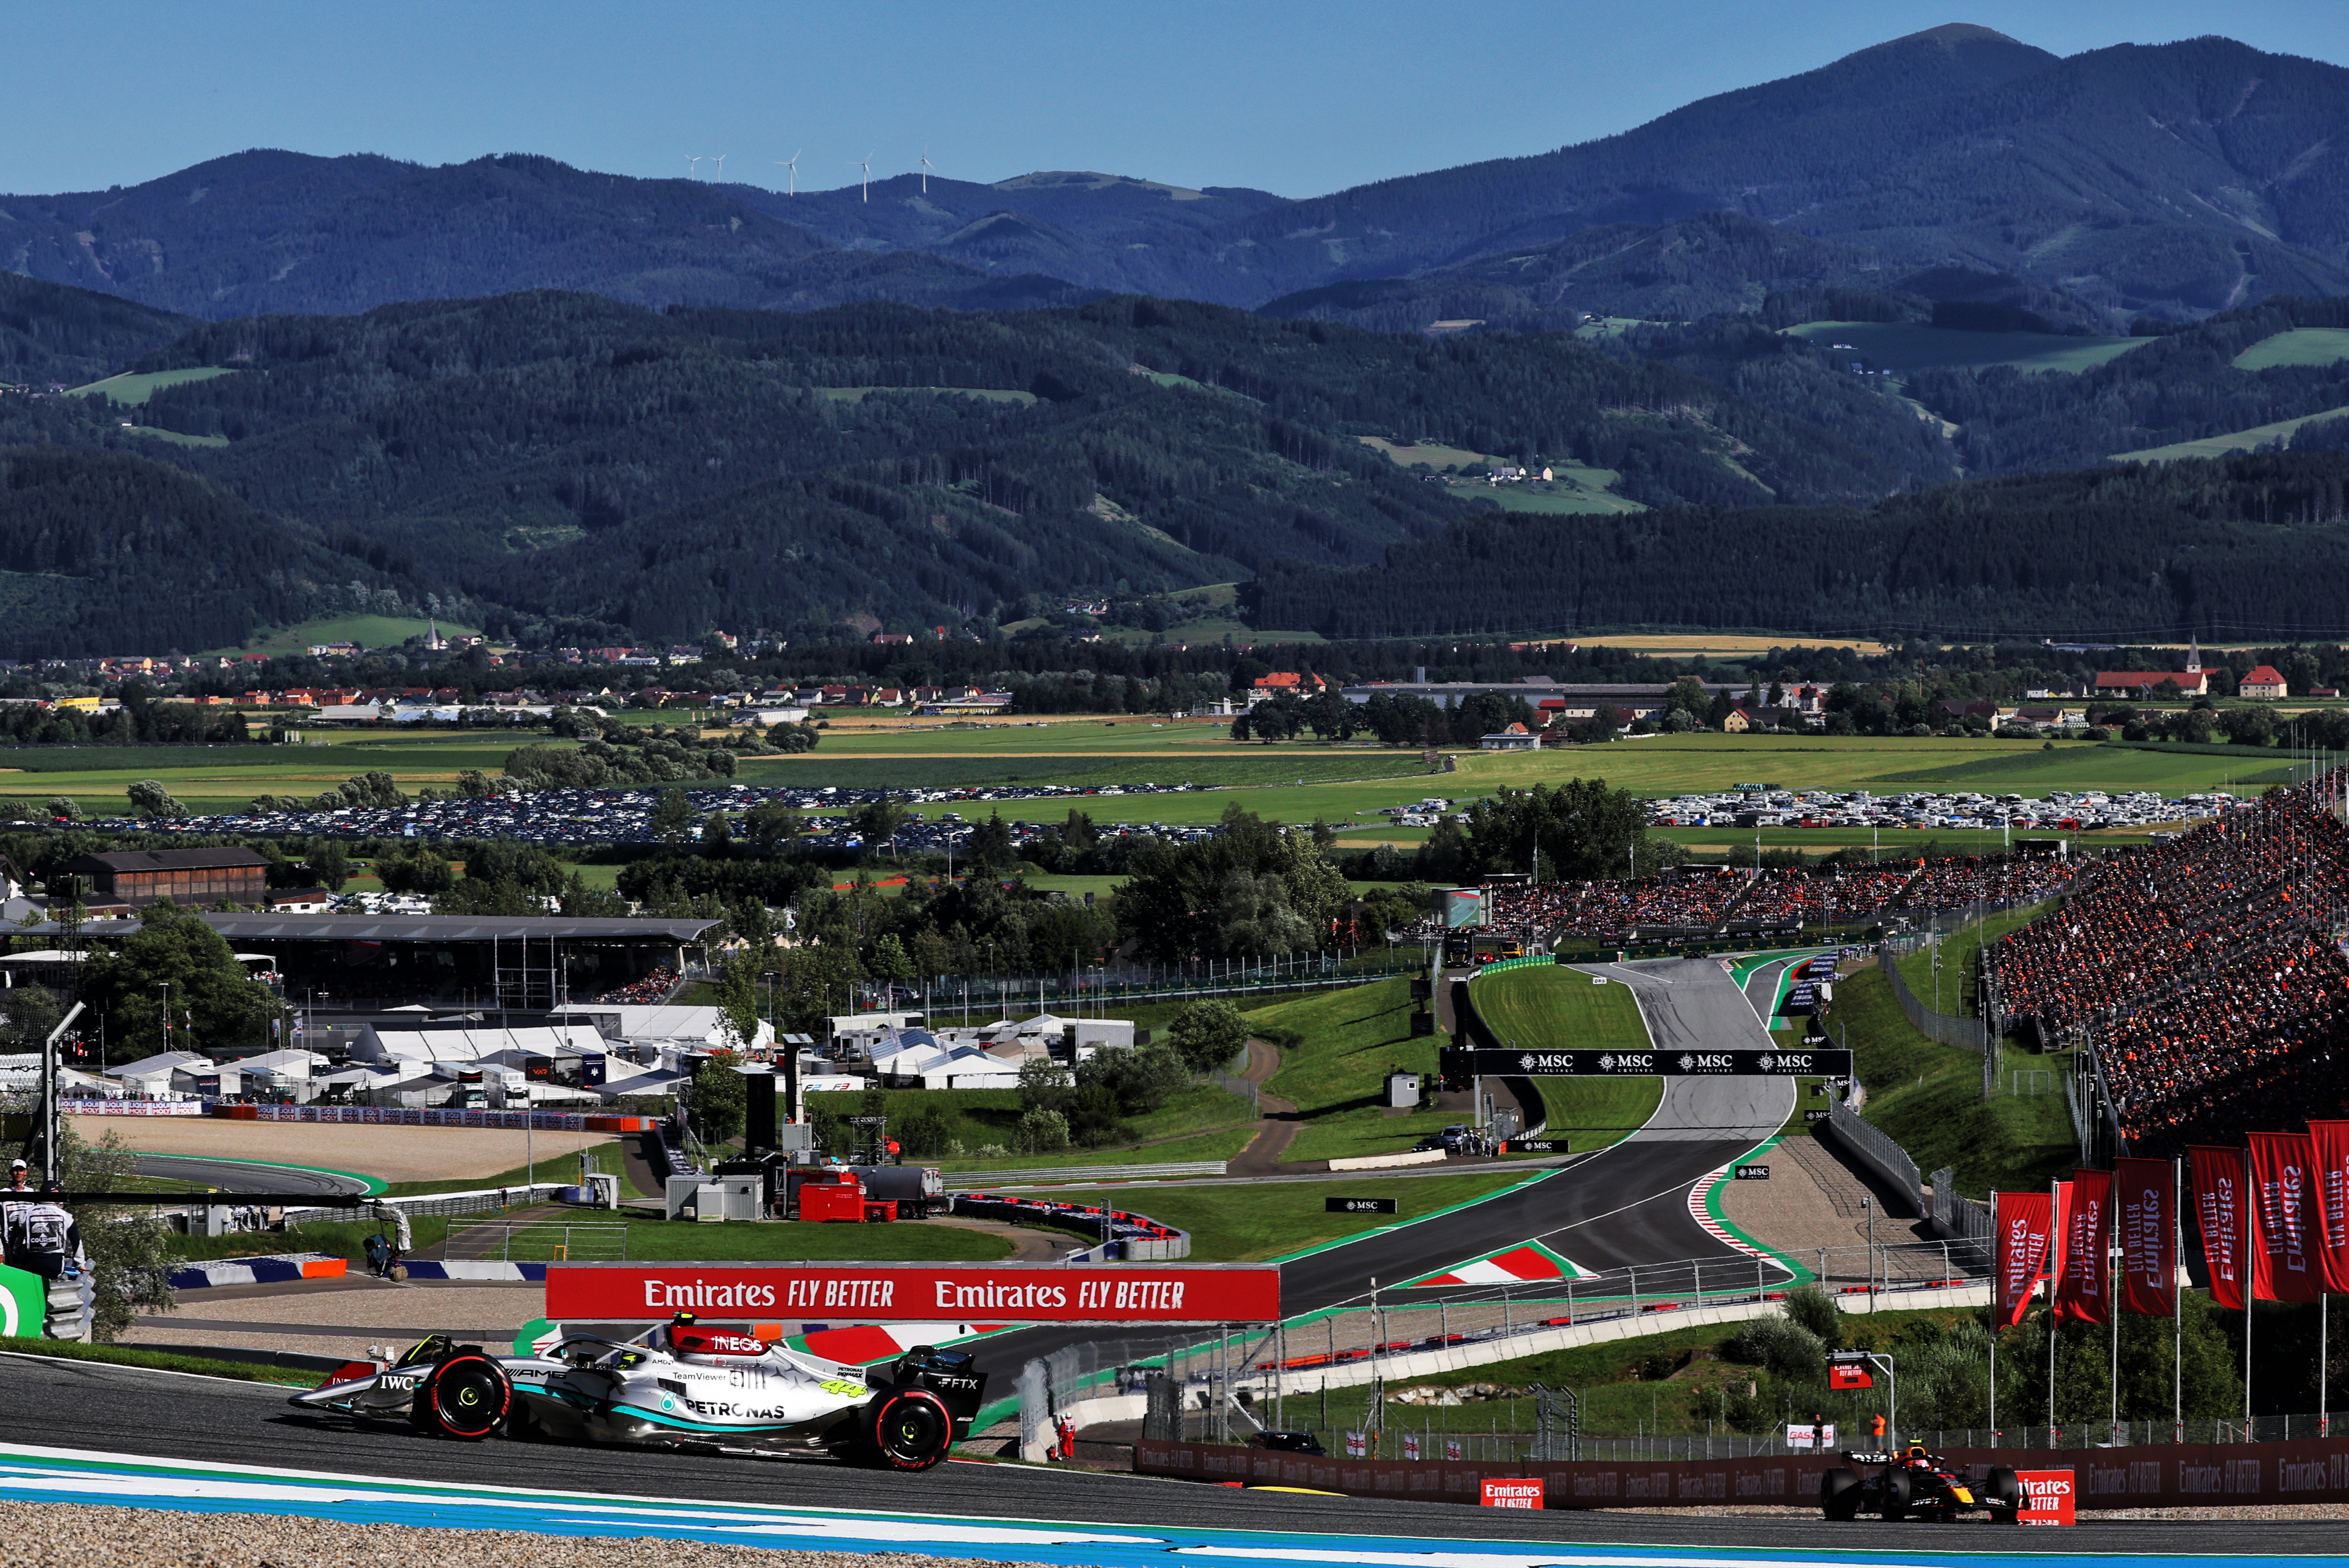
{"points": [[2164, 180]]}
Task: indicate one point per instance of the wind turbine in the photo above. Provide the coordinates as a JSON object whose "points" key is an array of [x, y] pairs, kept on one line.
{"points": [[926, 167], [791, 164], [865, 163], [720, 162], [692, 165]]}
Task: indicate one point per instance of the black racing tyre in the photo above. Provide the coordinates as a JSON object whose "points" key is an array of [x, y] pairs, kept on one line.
{"points": [[2002, 1482], [912, 1429], [1839, 1492], [467, 1396], [1897, 1491]]}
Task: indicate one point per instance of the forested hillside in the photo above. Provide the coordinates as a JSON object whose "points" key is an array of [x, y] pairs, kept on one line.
{"points": [[549, 457], [2170, 181], [2250, 545], [65, 336], [102, 551]]}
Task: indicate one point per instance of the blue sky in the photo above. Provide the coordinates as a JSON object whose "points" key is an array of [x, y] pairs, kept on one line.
{"points": [[1298, 97]]}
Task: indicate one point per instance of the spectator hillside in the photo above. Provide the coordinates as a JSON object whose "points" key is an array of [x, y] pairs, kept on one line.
{"points": [[2206, 973]]}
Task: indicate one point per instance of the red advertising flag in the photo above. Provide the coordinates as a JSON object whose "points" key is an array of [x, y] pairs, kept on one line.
{"points": [[2059, 1227], [2024, 1224], [2145, 1208], [916, 1292], [2331, 1142], [2218, 1215], [2080, 1290], [2284, 1264]]}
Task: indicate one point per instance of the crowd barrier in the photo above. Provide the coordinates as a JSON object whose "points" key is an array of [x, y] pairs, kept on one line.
{"points": [[131, 1108], [2179, 1475]]}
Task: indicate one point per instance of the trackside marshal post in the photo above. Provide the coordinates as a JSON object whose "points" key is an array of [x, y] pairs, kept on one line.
{"points": [[945, 1293]]}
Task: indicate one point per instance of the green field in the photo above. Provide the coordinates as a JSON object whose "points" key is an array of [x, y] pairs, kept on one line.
{"points": [[1910, 345], [2300, 345], [1575, 492], [1238, 1225], [2220, 445], [176, 437], [366, 630], [133, 391], [1547, 1007], [1429, 453], [985, 394]]}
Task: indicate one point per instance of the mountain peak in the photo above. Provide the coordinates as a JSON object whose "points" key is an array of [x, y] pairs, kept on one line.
{"points": [[1954, 33]]}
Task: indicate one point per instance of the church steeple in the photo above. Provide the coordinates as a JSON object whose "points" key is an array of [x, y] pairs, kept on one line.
{"points": [[2193, 654]]}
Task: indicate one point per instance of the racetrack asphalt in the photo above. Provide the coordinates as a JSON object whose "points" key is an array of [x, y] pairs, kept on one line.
{"points": [[138, 1413], [1622, 1208]]}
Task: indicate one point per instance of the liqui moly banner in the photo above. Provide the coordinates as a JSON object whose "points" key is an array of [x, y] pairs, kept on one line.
{"points": [[943, 1292], [2219, 1214], [2145, 1208], [2330, 1140], [2080, 1289], [2284, 1264], [2025, 1228]]}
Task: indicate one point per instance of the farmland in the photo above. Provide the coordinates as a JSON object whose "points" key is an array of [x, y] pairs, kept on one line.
{"points": [[1910, 346], [132, 390], [2300, 345], [2233, 441], [1295, 782]]}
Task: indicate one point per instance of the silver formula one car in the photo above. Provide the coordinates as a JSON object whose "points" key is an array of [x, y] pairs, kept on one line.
{"points": [[677, 1386]]}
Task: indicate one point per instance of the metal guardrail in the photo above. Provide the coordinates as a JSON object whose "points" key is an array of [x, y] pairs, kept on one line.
{"points": [[1875, 1146], [487, 1201], [972, 1180]]}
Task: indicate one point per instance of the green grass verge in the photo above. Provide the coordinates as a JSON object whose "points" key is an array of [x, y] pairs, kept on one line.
{"points": [[345, 1239], [1928, 1097], [686, 1241], [1336, 1075], [1960, 954], [162, 1360], [1204, 1147], [550, 1167], [1547, 1007], [1237, 1224]]}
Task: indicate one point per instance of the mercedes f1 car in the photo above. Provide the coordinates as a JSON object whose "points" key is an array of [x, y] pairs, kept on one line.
{"points": [[1918, 1485], [676, 1386]]}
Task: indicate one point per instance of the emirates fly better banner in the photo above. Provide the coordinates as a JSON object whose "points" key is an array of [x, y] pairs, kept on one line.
{"points": [[2330, 1140], [916, 1292], [2144, 1207], [2285, 1266], [2025, 1228], [2218, 1215], [2080, 1290]]}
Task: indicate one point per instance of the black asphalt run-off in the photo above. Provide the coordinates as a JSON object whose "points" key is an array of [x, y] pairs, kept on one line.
{"points": [[245, 1175], [127, 1411], [1623, 1212]]}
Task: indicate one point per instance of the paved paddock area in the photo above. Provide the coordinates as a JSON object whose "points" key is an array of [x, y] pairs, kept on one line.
{"points": [[388, 1153]]}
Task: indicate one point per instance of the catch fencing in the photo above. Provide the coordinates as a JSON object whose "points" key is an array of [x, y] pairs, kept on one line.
{"points": [[1950, 1029]]}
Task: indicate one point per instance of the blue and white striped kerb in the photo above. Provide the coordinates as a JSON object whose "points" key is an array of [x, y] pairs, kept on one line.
{"points": [[65, 1475]]}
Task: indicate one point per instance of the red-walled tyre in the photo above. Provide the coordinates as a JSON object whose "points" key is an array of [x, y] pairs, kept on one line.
{"points": [[467, 1396], [911, 1430]]}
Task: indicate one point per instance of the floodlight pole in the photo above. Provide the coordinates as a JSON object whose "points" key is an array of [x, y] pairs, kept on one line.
{"points": [[52, 1168]]}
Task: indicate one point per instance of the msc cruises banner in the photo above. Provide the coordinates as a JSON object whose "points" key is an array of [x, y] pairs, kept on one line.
{"points": [[1460, 1061]]}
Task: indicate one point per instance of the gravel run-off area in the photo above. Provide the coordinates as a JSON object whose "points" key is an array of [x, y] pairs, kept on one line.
{"points": [[82, 1535], [388, 1153]]}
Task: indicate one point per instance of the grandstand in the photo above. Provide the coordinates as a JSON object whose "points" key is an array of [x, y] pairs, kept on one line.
{"points": [[2205, 974], [1695, 901]]}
